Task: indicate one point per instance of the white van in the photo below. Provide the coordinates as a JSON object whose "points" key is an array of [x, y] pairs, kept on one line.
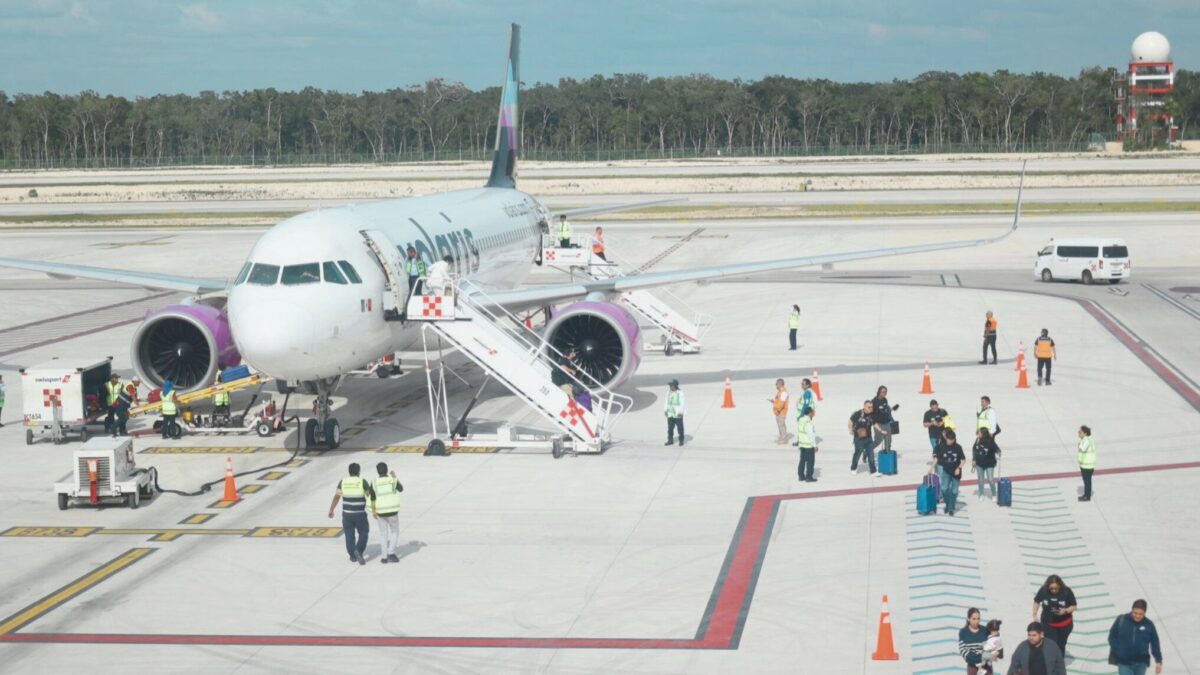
{"points": [[1085, 260]]}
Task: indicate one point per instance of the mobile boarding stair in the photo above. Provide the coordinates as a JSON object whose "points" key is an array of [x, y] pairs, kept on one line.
{"points": [[517, 357], [682, 329]]}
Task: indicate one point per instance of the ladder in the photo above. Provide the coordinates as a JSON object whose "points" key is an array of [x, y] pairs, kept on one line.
{"points": [[518, 358], [388, 257]]}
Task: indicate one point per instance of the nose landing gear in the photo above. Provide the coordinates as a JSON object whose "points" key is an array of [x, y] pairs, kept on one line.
{"points": [[323, 430]]}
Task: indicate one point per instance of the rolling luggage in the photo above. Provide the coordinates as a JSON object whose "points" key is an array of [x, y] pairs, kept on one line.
{"points": [[937, 486], [235, 373], [927, 495], [888, 462], [1004, 493]]}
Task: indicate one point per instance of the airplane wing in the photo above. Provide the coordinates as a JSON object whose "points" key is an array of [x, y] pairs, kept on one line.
{"points": [[613, 208], [547, 295], [145, 279]]}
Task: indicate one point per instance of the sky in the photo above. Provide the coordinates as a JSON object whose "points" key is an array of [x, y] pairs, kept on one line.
{"points": [[146, 47]]}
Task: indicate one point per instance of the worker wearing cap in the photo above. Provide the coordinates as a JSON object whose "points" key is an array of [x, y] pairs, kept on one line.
{"points": [[353, 491], [170, 407], [125, 399], [112, 390], [386, 509], [132, 389], [673, 409]]}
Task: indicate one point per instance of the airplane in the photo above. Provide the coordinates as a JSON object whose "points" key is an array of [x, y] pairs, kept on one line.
{"points": [[307, 306]]}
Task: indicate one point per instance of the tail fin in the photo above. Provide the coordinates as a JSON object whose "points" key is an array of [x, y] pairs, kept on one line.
{"points": [[504, 164]]}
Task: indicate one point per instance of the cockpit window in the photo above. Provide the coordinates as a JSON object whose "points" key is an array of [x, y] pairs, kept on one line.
{"points": [[264, 275], [332, 275], [308, 273], [241, 277], [351, 273]]}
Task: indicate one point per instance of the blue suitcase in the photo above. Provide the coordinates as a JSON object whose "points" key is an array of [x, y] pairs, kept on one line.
{"points": [[235, 373], [887, 462], [1004, 494], [927, 496]]}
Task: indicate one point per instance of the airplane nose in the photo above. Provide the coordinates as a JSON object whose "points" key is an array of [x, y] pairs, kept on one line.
{"points": [[275, 338]]}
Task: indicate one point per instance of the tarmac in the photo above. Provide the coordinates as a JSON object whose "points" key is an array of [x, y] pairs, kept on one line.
{"points": [[707, 558]]}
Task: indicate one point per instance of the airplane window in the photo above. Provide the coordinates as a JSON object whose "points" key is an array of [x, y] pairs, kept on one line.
{"points": [[241, 277], [351, 273], [308, 273], [332, 274], [264, 275]]}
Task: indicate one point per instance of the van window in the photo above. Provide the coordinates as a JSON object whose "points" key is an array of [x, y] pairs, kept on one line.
{"points": [[264, 275], [332, 274], [1116, 252], [1079, 251], [241, 277], [1049, 250], [351, 273], [308, 273]]}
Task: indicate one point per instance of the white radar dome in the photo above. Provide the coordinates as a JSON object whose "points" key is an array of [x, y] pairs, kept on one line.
{"points": [[1151, 47]]}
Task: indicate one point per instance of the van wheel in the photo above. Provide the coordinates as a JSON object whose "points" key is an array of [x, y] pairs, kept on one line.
{"points": [[1087, 277], [1047, 276], [1114, 282]]}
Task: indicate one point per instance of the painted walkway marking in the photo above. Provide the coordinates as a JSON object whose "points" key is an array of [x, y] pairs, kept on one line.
{"points": [[171, 534]]}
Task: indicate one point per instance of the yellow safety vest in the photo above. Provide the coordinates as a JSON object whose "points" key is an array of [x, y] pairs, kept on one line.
{"points": [[985, 419], [672, 404], [1087, 453], [804, 432], [221, 398], [352, 486], [1043, 348], [806, 400], [794, 320], [111, 391], [387, 495], [169, 406], [414, 267], [564, 229]]}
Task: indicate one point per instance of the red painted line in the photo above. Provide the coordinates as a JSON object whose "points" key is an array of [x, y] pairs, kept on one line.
{"points": [[351, 641], [729, 613]]}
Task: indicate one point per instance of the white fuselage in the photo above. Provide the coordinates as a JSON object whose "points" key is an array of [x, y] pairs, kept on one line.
{"points": [[298, 329]]}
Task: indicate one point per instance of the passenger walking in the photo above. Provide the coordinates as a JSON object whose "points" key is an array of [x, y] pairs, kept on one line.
{"points": [[3, 391], [1037, 654], [989, 336], [862, 426], [779, 406], [414, 267], [1087, 461], [984, 458], [1045, 353], [1132, 640], [806, 438], [986, 417], [950, 457], [563, 376], [883, 416], [793, 327], [934, 421], [971, 639], [386, 509], [598, 243], [564, 232], [170, 407], [353, 491], [1055, 603], [674, 409]]}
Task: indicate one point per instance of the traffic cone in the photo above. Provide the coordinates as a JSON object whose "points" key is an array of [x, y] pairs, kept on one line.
{"points": [[885, 649], [728, 402], [927, 382], [1020, 355], [231, 493], [816, 382], [1023, 380], [529, 322]]}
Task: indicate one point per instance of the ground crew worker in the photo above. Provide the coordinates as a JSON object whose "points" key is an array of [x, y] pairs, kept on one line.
{"points": [[414, 267], [386, 509], [220, 399], [806, 438], [132, 388], [598, 244], [125, 399], [353, 492], [674, 409], [564, 232], [170, 407], [986, 418], [3, 390], [806, 400], [793, 326], [1043, 350], [779, 406], [111, 389], [1087, 461], [989, 336]]}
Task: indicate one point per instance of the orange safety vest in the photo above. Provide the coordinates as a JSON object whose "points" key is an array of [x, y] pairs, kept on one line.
{"points": [[990, 326], [598, 243], [780, 404], [1043, 348]]}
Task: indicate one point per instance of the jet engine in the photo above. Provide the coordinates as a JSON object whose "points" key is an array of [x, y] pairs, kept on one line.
{"points": [[604, 335], [187, 344]]}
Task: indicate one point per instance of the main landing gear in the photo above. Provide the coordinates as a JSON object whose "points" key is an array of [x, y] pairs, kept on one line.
{"points": [[323, 429]]}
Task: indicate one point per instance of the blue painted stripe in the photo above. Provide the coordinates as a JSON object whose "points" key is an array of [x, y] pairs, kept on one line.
{"points": [[1057, 557], [954, 628], [935, 671], [943, 584], [976, 598], [1058, 567], [942, 555], [1052, 548], [953, 641], [947, 604], [952, 617], [943, 574], [936, 656], [942, 547], [943, 564]]}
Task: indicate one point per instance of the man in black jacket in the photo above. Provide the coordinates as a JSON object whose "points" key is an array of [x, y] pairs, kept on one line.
{"points": [[1037, 655], [1133, 640]]}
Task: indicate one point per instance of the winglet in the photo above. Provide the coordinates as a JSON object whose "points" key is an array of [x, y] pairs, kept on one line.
{"points": [[504, 163], [1020, 189]]}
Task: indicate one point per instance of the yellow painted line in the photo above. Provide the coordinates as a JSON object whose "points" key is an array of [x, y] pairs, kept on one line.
{"points": [[200, 450], [403, 448], [171, 534], [300, 532], [221, 504], [251, 488], [272, 475], [33, 612], [198, 519], [296, 463], [48, 531], [352, 431], [421, 448]]}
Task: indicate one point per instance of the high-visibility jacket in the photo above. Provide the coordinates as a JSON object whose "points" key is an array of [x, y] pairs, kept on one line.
{"points": [[597, 243], [794, 320], [674, 403], [353, 487], [1043, 347], [169, 404], [564, 229], [1087, 453], [111, 390], [779, 405], [990, 326], [221, 398], [387, 495], [414, 267], [806, 435], [807, 399], [987, 420]]}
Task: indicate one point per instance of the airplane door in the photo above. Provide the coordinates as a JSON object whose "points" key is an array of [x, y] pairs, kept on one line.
{"points": [[395, 294]]}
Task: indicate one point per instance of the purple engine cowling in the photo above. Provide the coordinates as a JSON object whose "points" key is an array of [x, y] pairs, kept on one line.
{"points": [[187, 344], [605, 337]]}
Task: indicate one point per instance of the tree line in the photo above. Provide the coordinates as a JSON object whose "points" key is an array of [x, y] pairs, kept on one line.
{"points": [[661, 116]]}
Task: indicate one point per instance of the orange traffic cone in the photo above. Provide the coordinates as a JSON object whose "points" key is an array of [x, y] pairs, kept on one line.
{"points": [[885, 649], [529, 322], [728, 402], [231, 493], [927, 382], [1020, 355], [816, 382], [1023, 379]]}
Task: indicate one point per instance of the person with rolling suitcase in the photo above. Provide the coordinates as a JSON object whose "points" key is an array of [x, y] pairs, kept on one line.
{"points": [[951, 460], [927, 495]]}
